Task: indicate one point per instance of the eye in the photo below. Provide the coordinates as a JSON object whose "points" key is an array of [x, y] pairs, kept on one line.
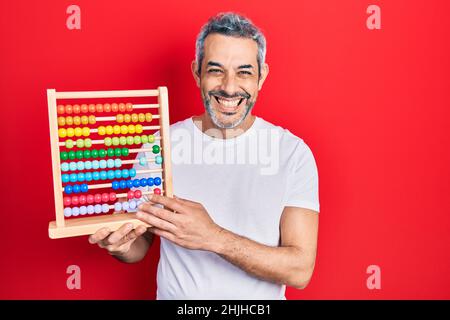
{"points": [[245, 72], [214, 70]]}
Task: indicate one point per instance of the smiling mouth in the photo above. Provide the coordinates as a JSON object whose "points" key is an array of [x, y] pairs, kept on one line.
{"points": [[229, 104]]}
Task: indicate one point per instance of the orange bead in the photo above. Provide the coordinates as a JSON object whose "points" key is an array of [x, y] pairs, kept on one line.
{"points": [[107, 107], [148, 117], [76, 108], [127, 118], [122, 107], [84, 108], [69, 120], [114, 107], [134, 117], [61, 121], [129, 107], [84, 120], [92, 119], [141, 117], [91, 107], [99, 107], [119, 118], [60, 109], [76, 120], [68, 109]]}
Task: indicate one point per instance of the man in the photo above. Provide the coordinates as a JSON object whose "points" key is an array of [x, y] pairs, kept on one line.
{"points": [[238, 229]]}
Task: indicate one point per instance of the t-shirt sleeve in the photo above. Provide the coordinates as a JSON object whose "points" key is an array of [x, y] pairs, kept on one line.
{"points": [[303, 181]]}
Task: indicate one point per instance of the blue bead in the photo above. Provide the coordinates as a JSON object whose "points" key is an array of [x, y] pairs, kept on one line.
{"points": [[118, 163], [133, 204], [143, 161], [110, 163], [64, 167], [84, 187], [143, 182], [105, 208], [117, 206], [123, 184], [81, 176], [136, 183], [125, 205], [111, 174], [125, 173], [76, 188], [103, 175], [88, 176], [67, 212], [88, 165], [98, 208], [132, 172], [129, 183], [102, 164], [117, 174], [73, 177], [65, 178], [95, 175], [72, 166], [150, 182], [115, 185], [68, 189], [75, 211], [90, 209], [80, 165], [158, 159], [83, 210], [95, 165], [157, 181]]}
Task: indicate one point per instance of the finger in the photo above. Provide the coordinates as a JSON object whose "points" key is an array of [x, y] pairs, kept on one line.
{"points": [[132, 235], [159, 212], [155, 221], [163, 233], [167, 202], [185, 201], [116, 236], [99, 235]]}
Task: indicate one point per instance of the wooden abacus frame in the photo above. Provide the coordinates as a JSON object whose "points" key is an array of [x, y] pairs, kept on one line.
{"points": [[61, 227]]}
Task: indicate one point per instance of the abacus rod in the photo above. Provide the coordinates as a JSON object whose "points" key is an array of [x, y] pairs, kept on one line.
{"points": [[106, 94], [156, 116], [143, 128], [146, 106]]}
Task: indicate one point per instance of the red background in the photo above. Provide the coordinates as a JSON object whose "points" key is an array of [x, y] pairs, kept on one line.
{"points": [[373, 105]]}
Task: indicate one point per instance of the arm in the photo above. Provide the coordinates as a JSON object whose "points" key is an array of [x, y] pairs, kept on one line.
{"points": [[291, 263]]}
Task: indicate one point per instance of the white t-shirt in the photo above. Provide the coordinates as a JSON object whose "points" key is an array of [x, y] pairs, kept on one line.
{"points": [[244, 183]]}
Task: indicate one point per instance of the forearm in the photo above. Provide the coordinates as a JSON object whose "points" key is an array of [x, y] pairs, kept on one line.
{"points": [[138, 249], [285, 265]]}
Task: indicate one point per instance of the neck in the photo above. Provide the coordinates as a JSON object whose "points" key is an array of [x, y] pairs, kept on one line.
{"points": [[205, 124]]}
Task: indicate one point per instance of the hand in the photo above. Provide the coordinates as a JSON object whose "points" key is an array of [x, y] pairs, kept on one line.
{"points": [[117, 243], [188, 225]]}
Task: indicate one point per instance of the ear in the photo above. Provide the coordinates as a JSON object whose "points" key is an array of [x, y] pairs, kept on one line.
{"points": [[264, 73], [194, 69]]}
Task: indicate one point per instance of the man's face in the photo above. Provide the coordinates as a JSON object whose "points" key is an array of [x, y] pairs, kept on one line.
{"points": [[229, 79]]}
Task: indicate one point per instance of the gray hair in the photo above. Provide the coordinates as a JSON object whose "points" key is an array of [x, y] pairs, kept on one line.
{"points": [[234, 25]]}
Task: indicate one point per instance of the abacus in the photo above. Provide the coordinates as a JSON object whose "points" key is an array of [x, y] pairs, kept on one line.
{"points": [[87, 137]]}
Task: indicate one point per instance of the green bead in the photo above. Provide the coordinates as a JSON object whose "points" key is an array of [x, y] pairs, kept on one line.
{"points": [[117, 152], [130, 140], [115, 141], [87, 154], [87, 143], [80, 143], [94, 153], [125, 152], [108, 141], [64, 155], [79, 154], [69, 143], [155, 149], [151, 138], [102, 153], [110, 152], [137, 140], [123, 141], [71, 155], [144, 139]]}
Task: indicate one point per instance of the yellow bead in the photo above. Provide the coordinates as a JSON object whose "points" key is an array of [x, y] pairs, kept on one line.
{"points": [[61, 121], [134, 117], [69, 121], [116, 129], [141, 117], [84, 120], [119, 118], [76, 120], [139, 128], [109, 130], [127, 118], [148, 117], [70, 132], [78, 132], [124, 129], [131, 129], [101, 130], [92, 120], [62, 133], [86, 131]]}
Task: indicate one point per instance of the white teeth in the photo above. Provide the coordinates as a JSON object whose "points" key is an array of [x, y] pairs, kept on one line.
{"points": [[227, 103]]}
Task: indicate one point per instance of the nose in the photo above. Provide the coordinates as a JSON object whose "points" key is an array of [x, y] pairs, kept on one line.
{"points": [[229, 84]]}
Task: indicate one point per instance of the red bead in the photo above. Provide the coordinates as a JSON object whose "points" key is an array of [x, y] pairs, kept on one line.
{"points": [[157, 191], [97, 198], [67, 201], [99, 107], [91, 108], [122, 107], [129, 107], [130, 194], [84, 108], [75, 200], [82, 199], [90, 198], [105, 197], [112, 196], [137, 194], [68, 109], [61, 109], [114, 107], [76, 108]]}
